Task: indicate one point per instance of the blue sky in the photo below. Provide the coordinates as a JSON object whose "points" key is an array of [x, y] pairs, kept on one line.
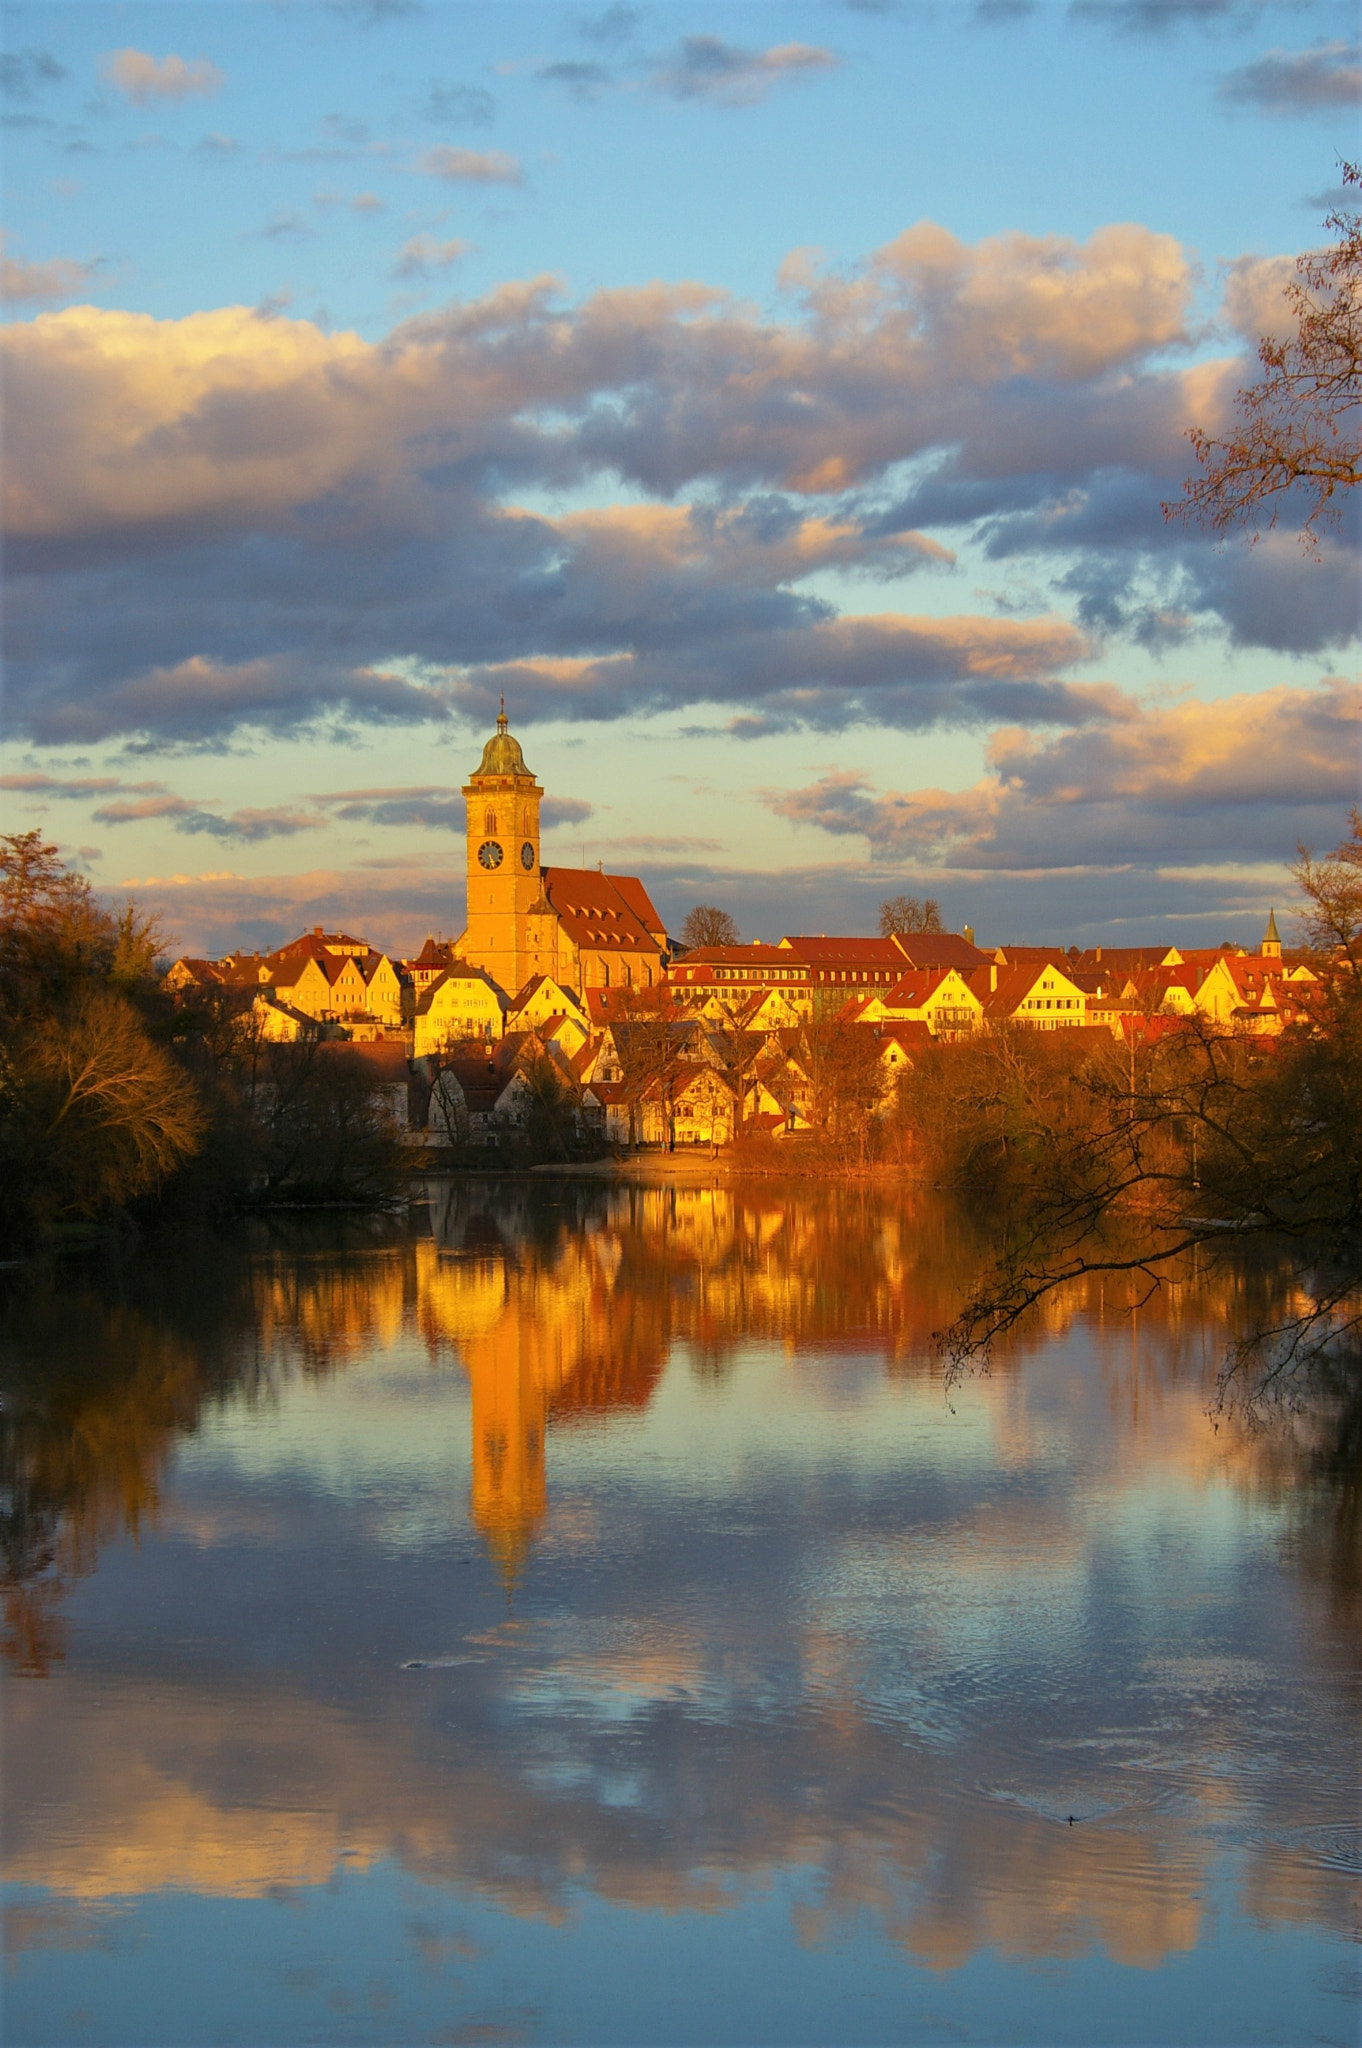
{"points": [[775, 401]]}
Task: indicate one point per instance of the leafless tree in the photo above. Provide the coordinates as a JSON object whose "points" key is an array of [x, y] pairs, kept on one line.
{"points": [[707, 925], [1208, 1140], [900, 914], [1297, 431]]}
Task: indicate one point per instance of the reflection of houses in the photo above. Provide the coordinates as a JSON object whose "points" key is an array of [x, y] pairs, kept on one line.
{"points": [[542, 1346], [556, 1336]]}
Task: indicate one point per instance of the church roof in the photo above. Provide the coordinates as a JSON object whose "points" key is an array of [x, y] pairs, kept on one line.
{"points": [[602, 912]]}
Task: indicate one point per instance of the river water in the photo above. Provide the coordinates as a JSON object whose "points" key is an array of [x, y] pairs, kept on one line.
{"points": [[580, 1613]]}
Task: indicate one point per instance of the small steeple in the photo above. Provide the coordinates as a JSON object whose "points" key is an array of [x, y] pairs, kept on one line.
{"points": [[501, 715], [1271, 948]]}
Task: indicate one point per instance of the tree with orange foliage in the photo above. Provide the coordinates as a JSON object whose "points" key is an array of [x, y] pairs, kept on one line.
{"points": [[1298, 426]]}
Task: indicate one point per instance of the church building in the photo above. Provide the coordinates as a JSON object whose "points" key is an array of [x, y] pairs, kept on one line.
{"points": [[581, 927]]}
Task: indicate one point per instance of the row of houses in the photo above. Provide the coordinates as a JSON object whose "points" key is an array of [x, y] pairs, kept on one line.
{"points": [[717, 1049], [951, 987], [941, 979]]}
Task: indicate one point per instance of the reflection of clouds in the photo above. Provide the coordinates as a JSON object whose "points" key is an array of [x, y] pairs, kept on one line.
{"points": [[659, 1808], [800, 1614]]}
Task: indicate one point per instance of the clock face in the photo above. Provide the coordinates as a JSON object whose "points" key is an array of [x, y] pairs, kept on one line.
{"points": [[490, 854], [527, 856]]}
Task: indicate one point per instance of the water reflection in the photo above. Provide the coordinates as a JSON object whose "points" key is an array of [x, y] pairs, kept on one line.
{"points": [[624, 1544]]}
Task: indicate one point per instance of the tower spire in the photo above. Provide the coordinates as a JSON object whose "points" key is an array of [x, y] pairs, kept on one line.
{"points": [[501, 715]]}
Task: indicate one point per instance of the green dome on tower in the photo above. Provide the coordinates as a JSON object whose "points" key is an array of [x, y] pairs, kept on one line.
{"points": [[502, 755]]}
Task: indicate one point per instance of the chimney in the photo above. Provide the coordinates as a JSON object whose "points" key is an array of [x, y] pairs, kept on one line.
{"points": [[967, 934]]}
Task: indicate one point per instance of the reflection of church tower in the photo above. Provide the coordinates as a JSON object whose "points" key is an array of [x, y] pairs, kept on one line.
{"points": [[505, 936], [507, 1386]]}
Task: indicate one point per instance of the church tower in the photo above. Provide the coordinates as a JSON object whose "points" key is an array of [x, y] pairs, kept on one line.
{"points": [[505, 888]]}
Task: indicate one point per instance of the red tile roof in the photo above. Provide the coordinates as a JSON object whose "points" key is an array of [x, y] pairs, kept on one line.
{"points": [[383, 1063], [602, 912], [941, 950], [754, 955], [825, 952]]}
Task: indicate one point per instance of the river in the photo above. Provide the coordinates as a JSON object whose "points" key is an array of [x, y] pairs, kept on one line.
{"points": [[586, 1613]]}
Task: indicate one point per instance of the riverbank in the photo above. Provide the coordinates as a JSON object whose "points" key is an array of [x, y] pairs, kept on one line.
{"points": [[697, 1169]]}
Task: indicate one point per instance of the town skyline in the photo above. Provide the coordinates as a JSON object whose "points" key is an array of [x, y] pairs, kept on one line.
{"points": [[800, 491]]}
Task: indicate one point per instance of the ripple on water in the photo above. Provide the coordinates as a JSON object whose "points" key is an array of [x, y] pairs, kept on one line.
{"points": [[1334, 1845]]}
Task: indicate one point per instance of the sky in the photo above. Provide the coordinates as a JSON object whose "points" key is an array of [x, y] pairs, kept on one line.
{"points": [[775, 402]]}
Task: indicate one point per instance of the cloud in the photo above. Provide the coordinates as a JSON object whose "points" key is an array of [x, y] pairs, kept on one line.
{"points": [[24, 72], [1322, 79], [435, 806], [78, 789], [362, 202], [239, 519], [556, 811], [706, 68], [245, 827], [1254, 302], [422, 256], [133, 803], [60, 277], [614, 24], [930, 344], [455, 106], [1241, 779], [1159, 17], [217, 149], [198, 701], [286, 227], [818, 672], [470, 166], [584, 81], [141, 77], [368, 14]]}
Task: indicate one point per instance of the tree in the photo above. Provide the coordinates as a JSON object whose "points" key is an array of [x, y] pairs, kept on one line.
{"points": [[1297, 429], [325, 1136], [846, 1082], [458, 1055], [707, 925], [93, 1113], [552, 1110], [900, 914], [112, 1113], [1332, 888], [53, 934], [1203, 1140]]}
